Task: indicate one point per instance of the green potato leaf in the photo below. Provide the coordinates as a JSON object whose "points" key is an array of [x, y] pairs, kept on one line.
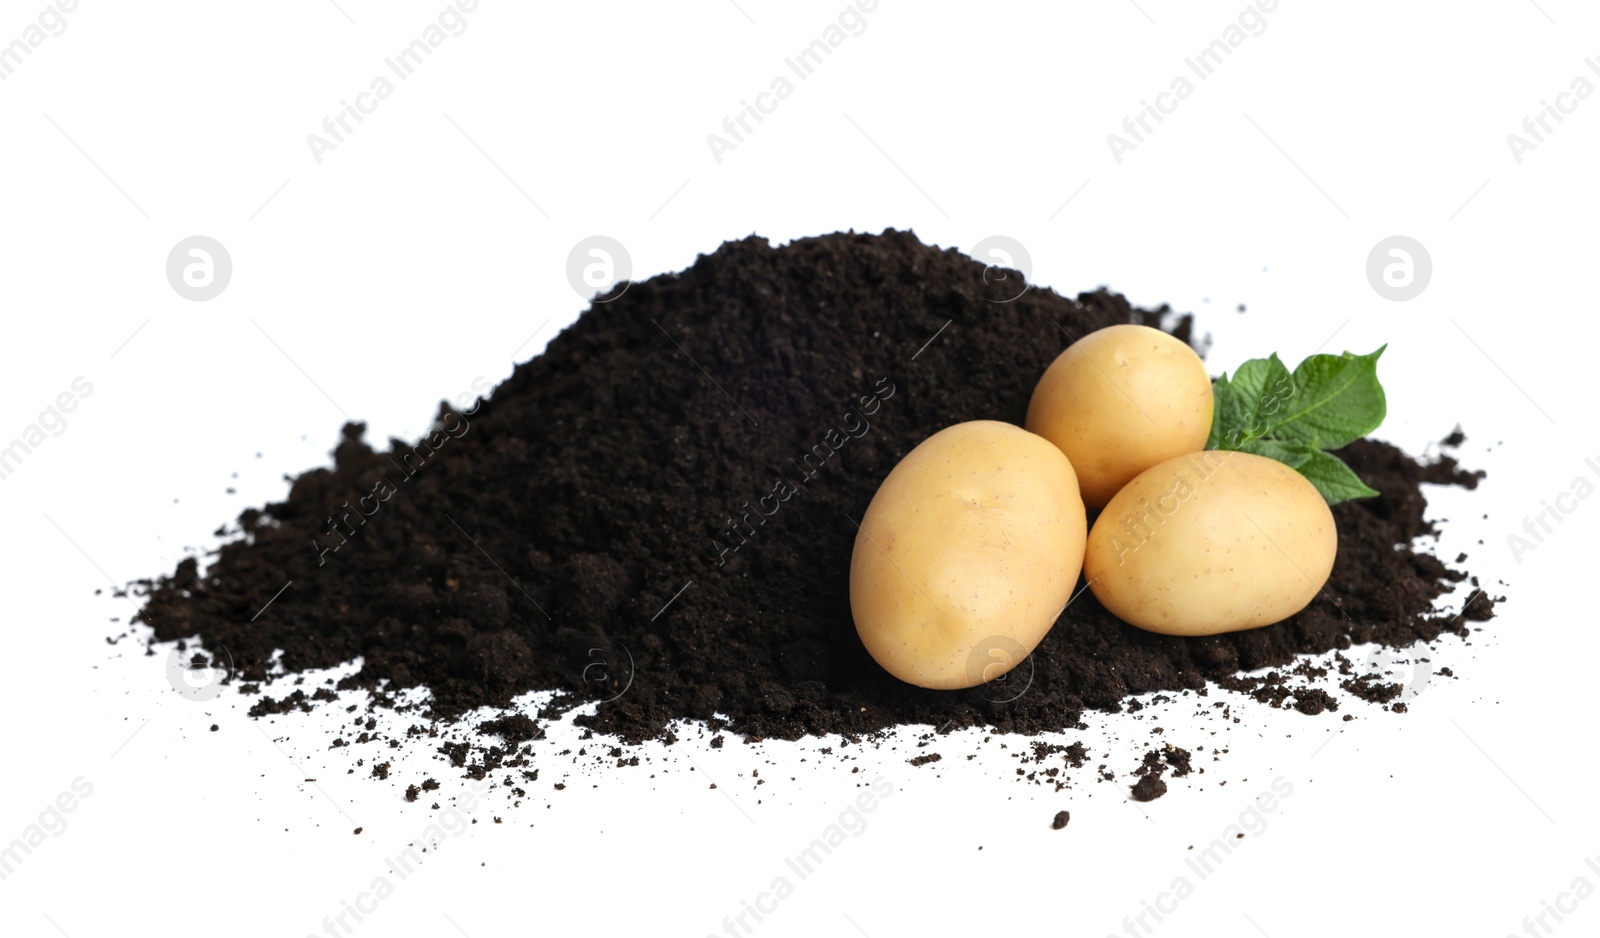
{"points": [[1334, 399], [1293, 455], [1257, 391], [1295, 417], [1336, 481], [1225, 412]]}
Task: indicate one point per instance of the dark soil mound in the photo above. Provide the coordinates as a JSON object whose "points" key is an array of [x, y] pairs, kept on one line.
{"points": [[605, 523]]}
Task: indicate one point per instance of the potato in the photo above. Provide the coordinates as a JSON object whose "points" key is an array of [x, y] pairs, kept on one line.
{"points": [[967, 555], [1118, 401], [1211, 542]]}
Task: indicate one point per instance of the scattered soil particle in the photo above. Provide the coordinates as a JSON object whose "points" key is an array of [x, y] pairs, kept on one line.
{"points": [[515, 728], [1149, 788]]}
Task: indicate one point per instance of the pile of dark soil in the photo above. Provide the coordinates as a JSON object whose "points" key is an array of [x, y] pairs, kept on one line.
{"points": [[659, 512]]}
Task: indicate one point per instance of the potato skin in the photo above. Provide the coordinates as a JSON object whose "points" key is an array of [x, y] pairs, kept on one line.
{"points": [[1211, 542], [1120, 400], [967, 553]]}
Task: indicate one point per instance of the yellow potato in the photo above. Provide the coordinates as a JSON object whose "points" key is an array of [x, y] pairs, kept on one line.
{"points": [[967, 554], [1118, 401], [1211, 542]]}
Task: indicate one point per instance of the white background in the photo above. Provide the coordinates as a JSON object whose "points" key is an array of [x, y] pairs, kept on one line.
{"points": [[425, 250]]}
